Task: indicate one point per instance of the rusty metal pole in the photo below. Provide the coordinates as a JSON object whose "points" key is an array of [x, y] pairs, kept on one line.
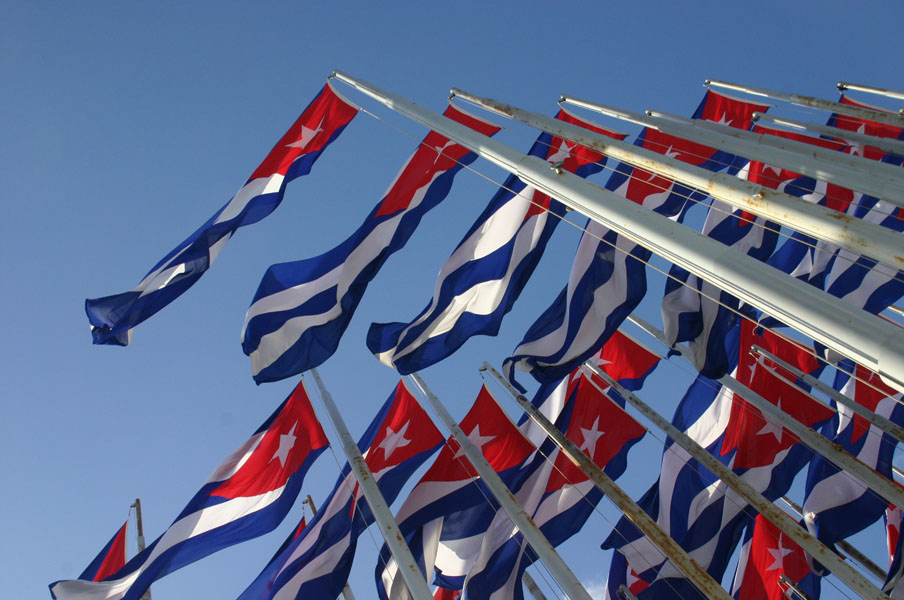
{"points": [[414, 579], [887, 144], [669, 548], [532, 587], [532, 534], [844, 85], [850, 576], [139, 529]]}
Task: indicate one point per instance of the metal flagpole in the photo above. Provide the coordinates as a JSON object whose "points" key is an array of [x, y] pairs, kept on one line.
{"points": [[851, 577], [843, 328], [811, 102], [669, 547], [532, 587], [507, 501], [844, 545], [856, 235], [139, 529], [844, 170], [807, 436], [346, 590], [886, 425], [414, 579], [887, 144], [844, 85]]}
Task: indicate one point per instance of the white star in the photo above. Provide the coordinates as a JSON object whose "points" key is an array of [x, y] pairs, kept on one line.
{"points": [[562, 153], [286, 443], [778, 555], [772, 428], [591, 436], [439, 150], [596, 361], [723, 121], [393, 440], [475, 438], [306, 136]]}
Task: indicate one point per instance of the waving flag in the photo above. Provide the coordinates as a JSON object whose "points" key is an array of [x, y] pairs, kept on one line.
{"points": [[110, 559], [690, 503], [483, 278], [838, 505], [301, 309], [892, 585], [622, 577], [316, 562], [113, 317], [608, 277], [557, 495], [767, 555], [450, 489], [247, 496]]}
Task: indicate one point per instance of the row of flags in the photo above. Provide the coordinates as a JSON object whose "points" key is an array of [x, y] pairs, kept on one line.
{"points": [[301, 309]]}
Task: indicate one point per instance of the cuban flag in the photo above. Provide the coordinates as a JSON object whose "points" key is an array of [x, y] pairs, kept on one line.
{"points": [[892, 585], [110, 559], [692, 505], [316, 562], [608, 277], [622, 578], [450, 491], [838, 505], [302, 308], [247, 496], [557, 495], [867, 127], [113, 317], [483, 278], [767, 555]]}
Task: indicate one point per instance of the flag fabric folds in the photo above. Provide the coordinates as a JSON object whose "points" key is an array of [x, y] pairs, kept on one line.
{"points": [[483, 278], [316, 562], [557, 495], [892, 585], [110, 559], [836, 504], [434, 518], [113, 317], [247, 496], [302, 308], [608, 277], [766, 555]]}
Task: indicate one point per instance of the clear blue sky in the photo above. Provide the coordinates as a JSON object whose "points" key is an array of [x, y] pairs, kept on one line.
{"points": [[126, 125]]}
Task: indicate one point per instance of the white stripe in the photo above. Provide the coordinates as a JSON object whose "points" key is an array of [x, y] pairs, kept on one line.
{"points": [[248, 192]]}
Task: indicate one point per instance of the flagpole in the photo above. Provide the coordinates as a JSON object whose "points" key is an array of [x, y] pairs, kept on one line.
{"points": [[532, 587], [883, 423], [887, 144], [850, 576], [807, 159], [414, 579], [844, 545], [139, 530], [669, 547], [809, 101], [346, 590], [847, 330], [532, 534], [844, 85], [856, 235], [806, 435]]}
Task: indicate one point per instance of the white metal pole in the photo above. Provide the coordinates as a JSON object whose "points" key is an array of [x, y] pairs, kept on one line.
{"points": [[856, 235], [849, 331], [669, 548], [414, 579], [844, 85], [811, 102], [139, 528], [886, 425], [844, 546], [807, 436], [532, 587], [858, 171], [854, 175], [852, 578], [887, 144], [507, 501]]}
